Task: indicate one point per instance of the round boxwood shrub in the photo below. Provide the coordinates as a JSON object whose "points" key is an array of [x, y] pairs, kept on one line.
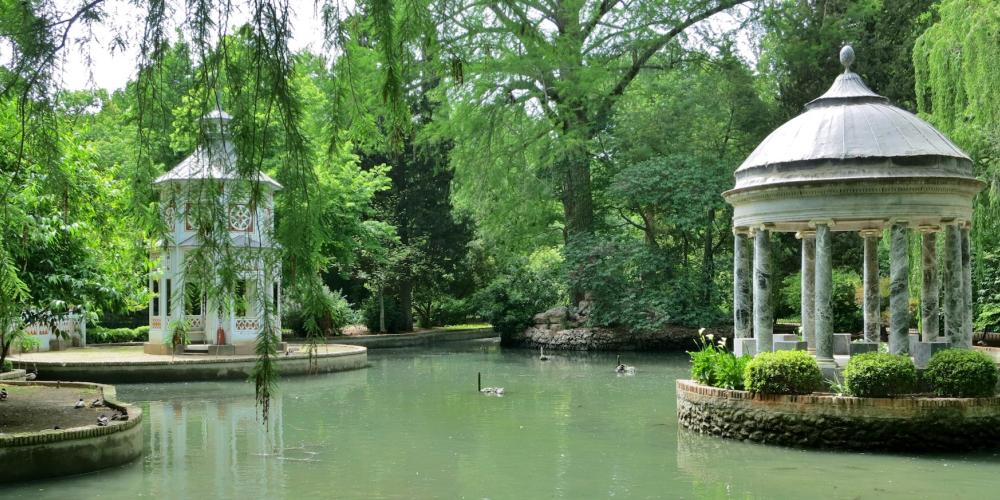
{"points": [[879, 375], [961, 373], [783, 372]]}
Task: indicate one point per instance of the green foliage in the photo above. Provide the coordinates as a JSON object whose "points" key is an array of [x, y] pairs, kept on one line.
{"points": [[324, 315], [101, 335], [987, 283], [6, 366], [518, 293], [878, 375], [847, 314], [387, 309], [961, 373], [713, 365], [177, 330], [783, 372]]}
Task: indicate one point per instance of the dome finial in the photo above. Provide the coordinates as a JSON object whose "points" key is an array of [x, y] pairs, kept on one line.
{"points": [[847, 57]]}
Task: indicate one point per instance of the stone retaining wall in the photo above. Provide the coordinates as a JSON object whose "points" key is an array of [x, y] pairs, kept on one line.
{"points": [[834, 422], [551, 336], [414, 339], [51, 453], [186, 368]]}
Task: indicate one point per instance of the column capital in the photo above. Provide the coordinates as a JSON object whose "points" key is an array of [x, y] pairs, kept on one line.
{"points": [[928, 228], [900, 222], [742, 230], [805, 234], [821, 222], [870, 233]]}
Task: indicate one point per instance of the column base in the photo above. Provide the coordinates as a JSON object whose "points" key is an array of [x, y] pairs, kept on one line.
{"points": [[922, 352], [829, 368], [747, 346]]}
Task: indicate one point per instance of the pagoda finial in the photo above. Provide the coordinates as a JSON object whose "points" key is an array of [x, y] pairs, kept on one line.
{"points": [[847, 57]]}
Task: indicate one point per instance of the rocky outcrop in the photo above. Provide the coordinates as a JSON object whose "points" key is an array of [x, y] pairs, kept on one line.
{"points": [[566, 328]]}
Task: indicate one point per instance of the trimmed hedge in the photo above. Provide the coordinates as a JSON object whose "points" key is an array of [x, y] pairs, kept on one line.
{"points": [[783, 372], [101, 335], [879, 375], [961, 373]]}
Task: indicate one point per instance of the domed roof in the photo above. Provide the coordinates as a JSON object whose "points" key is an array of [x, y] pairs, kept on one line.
{"points": [[852, 155], [848, 122]]}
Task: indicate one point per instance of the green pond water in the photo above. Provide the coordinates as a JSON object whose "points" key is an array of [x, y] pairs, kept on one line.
{"points": [[413, 426]]}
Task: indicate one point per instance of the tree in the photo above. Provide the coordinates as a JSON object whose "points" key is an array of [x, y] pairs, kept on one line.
{"points": [[556, 70]]}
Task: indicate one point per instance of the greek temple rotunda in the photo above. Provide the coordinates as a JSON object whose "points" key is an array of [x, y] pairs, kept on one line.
{"points": [[854, 162], [208, 180]]}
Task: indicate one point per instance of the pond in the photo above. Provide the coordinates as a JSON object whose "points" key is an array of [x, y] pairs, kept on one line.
{"points": [[413, 426]]}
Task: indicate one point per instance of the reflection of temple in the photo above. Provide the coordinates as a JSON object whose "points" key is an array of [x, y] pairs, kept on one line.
{"points": [[186, 192], [213, 448]]}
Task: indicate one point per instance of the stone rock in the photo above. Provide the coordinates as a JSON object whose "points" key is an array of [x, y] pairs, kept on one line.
{"points": [[856, 348], [842, 343], [790, 345]]}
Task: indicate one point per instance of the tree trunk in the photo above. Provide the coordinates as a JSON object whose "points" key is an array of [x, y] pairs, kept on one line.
{"points": [[578, 203], [381, 310], [406, 303], [708, 259]]}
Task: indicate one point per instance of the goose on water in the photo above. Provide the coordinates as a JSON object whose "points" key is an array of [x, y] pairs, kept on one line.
{"points": [[3, 394], [623, 369], [492, 391], [541, 354]]}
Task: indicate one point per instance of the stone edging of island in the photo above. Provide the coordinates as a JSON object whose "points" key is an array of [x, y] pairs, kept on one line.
{"points": [[186, 368], [52, 453], [837, 422], [390, 340]]}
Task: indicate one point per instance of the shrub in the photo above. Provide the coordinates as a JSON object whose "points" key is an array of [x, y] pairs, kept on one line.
{"points": [[101, 335], [703, 361], [783, 372], [325, 312], [961, 373], [511, 300], [879, 375], [7, 366], [730, 370]]}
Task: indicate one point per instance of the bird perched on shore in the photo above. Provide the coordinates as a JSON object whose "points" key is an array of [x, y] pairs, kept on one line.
{"points": [[80, 404], [3, 394], [541, 354], [31, 376], [120, 416], [97, 403], [102, 420]]}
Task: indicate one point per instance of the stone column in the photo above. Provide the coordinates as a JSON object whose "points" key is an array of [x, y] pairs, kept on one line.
{"points": [[824, 296], [742, 306], [808, 295], [966, 288], [930, 312], [899, 290], [872, 295], [763, 313], [954, 296]]}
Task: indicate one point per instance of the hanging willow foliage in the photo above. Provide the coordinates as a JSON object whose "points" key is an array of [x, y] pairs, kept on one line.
{"points": [[958, 89]]}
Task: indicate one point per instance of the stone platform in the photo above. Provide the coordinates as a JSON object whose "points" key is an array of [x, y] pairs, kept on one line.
{"points": [[835, 422], [75, 450], [131, 365]]}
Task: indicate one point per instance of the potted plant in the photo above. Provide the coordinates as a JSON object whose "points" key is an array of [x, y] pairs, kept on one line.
{"points": [[178, 339]]}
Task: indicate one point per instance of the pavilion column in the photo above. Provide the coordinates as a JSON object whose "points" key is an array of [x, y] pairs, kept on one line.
{"points": [[824, 295], [899, 290], [872, 295], [808, 294], [930, 312], [742, 286], [763, 312], [954, 296], [966, 288]]}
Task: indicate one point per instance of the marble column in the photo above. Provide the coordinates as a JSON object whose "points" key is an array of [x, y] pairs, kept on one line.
{"points": [[899, 290], [954, 297], [930, 312], [763, 312], [824, 295], [872, 295], [966, 288], [742, 305], [808, 294]]}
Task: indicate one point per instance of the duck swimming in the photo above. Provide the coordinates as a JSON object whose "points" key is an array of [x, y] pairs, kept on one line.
{"points": [[541, 354]]}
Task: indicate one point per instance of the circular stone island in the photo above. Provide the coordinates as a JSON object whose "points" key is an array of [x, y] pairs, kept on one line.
{"points": [[836, 422], [43, 434]]}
